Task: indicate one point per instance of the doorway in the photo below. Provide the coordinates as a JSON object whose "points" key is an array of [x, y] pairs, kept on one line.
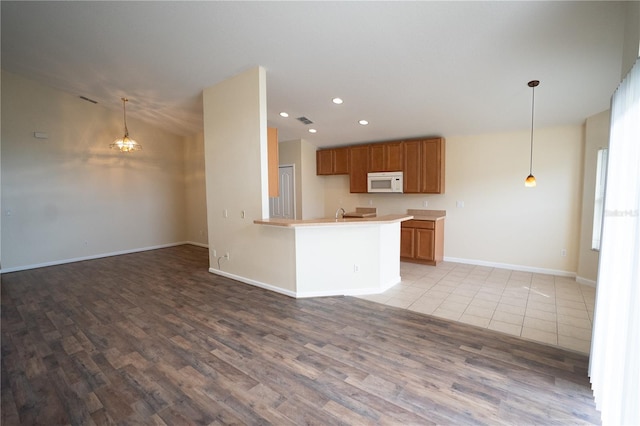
{"points": [[284, 206]]}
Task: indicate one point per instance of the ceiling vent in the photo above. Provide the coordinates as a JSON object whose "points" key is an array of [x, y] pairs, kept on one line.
{"points": [[88, 100], [304, 120]]}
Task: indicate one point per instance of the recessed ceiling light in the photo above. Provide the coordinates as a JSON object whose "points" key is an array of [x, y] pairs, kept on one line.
{"points": [[284, 114], [363, 122], [313, 131], [337, 101]]}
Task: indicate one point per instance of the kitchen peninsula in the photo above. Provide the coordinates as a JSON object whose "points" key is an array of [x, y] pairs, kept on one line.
{"points": [[348, 256]]}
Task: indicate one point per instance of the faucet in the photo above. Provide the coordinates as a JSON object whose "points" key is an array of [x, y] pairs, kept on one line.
{"points": [[338, 212]]}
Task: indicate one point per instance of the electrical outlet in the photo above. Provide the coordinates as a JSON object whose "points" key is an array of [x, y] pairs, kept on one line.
{"points": [[425, 203], [563, 252], [460, 204], [356, 268], [214, 253], [225, 213]]}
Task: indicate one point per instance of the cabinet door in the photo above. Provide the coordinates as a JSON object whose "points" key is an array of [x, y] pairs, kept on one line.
{"points": [[385, 157], [358, 168], [412, 160], [341, 161], [393, 157], [406, 242], [376, 158], [432, 158], [324, 162], [424, 244]]}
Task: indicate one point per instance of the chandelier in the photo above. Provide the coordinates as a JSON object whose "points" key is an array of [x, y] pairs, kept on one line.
{"points": [[125, 143]]}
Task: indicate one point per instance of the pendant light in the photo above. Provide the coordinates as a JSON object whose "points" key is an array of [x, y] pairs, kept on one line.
{"points": [[125, 143], [530, 181]]}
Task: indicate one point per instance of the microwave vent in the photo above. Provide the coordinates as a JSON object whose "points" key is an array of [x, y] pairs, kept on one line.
{"points": [[304, 120]]}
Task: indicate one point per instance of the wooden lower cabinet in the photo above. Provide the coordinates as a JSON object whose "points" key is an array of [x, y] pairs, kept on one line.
{"points": [[425, 244], [406, 243], [422, 241]]}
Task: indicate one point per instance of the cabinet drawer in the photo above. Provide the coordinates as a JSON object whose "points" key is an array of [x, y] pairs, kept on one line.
{"points": [[422, 224]]}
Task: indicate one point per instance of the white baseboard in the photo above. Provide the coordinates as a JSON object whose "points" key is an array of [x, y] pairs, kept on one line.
{"points": [[193, 243], [386, 286], [306, 294], [522, 268], [91, 257], [253, 282], [329, 293], [585, 281]]}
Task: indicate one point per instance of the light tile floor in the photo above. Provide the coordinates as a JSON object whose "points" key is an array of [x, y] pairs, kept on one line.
{"points": [[544, 308]]}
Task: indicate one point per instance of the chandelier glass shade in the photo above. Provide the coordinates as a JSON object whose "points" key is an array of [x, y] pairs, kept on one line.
{"points": [[125, 143]]}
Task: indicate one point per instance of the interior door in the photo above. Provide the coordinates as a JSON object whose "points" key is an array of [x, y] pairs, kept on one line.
{"points": [[284, 206]]}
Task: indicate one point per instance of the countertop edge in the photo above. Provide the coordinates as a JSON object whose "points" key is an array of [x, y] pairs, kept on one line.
{"points": [[423, 217], [292, 223]]}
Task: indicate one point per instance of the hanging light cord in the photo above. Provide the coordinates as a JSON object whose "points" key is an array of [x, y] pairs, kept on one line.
{"points": [[124, 112], [533, 85]]}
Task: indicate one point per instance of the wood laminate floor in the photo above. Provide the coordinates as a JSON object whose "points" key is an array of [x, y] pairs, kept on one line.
{"points": [[154, 338]]}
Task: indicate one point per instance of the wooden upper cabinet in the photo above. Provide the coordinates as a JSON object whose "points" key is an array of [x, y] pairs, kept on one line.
{"points": [[412, 166], [424, 162], [358, 168], [376, 158], [433, 160], [395, 157], [341, 161], [324, 162], [332, 161], [421, 160], [385, 157], [272, 161]]}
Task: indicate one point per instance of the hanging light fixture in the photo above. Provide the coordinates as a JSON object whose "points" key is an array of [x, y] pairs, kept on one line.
{"points": [[530, 181], [125, 143]]}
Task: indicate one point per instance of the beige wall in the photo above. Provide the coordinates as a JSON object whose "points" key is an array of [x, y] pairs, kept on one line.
{"points": [[596, 137], [195, 192], [70, 196], [502, 223], [235, 140], [313, 185]]}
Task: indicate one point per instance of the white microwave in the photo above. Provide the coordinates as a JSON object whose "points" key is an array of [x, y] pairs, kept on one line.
{"points": [[384, 182]]}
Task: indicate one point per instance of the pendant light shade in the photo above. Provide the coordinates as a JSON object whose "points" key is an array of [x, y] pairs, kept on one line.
{"points": [[125, 143], [530, 181]]}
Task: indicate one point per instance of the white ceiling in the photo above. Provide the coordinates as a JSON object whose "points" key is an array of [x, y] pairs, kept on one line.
{"points": [[409, 68]]}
